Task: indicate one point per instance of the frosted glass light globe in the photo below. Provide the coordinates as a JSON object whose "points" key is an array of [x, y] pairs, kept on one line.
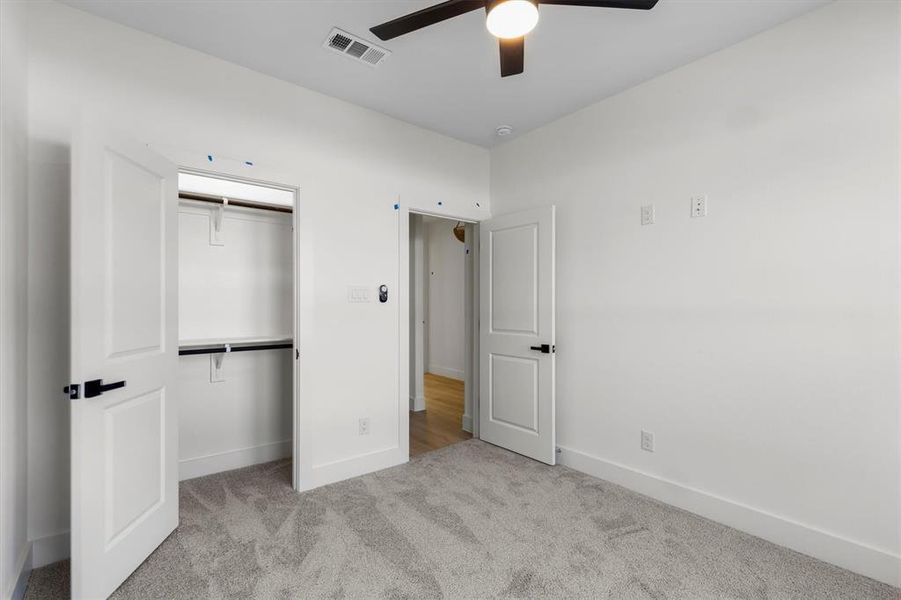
{"points": [[512, 19]]}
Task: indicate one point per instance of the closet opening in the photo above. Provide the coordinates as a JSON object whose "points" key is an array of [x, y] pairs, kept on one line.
{"points": [[236, 324], [443, 402]]}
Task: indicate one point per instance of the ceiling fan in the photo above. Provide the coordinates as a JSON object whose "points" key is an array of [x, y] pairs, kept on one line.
{"points": [[508, 20]]}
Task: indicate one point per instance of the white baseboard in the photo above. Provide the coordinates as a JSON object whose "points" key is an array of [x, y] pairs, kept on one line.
{"points": [[23, 568], [446, 372], [339, 470], [854, 556], [53, 548], [467, 423], [417, 404], [232, 459], [50, 549]]}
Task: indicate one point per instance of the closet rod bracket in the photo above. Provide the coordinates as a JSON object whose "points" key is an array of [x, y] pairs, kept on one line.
{"points": [[218, 214]]}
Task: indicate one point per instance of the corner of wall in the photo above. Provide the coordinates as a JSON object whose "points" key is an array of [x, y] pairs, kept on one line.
{"points": [[15, 550], [24, 571]]}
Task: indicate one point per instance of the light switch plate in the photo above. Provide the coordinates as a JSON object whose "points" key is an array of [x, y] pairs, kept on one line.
{"points": [[647, 214], [358, 293]]}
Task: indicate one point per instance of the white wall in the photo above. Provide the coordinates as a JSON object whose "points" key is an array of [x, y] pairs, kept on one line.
{"points": [[240, 421], [759, 344], [446, 257], [13, 296], [243, 288], [351, 165]]}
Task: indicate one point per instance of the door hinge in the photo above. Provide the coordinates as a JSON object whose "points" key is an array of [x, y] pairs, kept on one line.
{"points": [[71, 391], [296, 354]]}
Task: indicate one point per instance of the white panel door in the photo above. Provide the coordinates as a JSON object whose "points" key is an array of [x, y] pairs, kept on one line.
{"points": [[517, 333], [124, 341]]}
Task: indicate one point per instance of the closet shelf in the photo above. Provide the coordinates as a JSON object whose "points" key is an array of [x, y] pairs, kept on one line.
{"points": [[218, 346]]}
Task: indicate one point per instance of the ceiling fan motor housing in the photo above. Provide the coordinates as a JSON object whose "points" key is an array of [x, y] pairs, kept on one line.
{"points": [[510, 23]]}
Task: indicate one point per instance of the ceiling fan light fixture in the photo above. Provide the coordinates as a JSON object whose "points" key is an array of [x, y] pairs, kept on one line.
{"points": [[509, 19]]}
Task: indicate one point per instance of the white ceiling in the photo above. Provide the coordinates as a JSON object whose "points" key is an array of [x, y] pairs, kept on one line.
{"points": [[446, 77]]}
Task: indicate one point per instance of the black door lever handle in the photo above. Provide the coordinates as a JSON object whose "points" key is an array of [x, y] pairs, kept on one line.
{"points": [[544, 348], [95, 387]]}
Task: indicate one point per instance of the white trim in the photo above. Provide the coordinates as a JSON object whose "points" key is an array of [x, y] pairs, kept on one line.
{"points": [[472, 405], [53, 548], [403, 307], [417, 404], [446, 372], [189, 162], [50, 549], [854, 556], [232, 459], [467, 423], [23, 568], [354, 466]]}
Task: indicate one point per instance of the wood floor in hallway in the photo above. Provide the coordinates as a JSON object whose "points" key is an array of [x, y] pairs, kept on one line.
{"points": [[440, 424]]}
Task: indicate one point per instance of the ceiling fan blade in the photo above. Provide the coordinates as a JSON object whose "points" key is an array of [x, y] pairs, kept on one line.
{"points": [[636, 4], [425, 17], [512, 56]]}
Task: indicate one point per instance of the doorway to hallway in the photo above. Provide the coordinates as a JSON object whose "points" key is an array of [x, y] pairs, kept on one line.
{"points": [[439, 424], [440, 333]]}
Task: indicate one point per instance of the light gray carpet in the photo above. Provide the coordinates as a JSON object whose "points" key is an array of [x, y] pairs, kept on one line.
{"points": [[467, 521]]}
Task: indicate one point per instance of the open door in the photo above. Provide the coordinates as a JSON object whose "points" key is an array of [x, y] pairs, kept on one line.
{"points": [[124, 354], [517, 333]]}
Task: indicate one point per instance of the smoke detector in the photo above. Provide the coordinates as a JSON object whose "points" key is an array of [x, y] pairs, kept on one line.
{"points": [[355, 48], [503, 130]]}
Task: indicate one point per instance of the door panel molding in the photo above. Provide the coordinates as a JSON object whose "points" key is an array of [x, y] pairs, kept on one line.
{"points": [[124, 328], [517, 316]]}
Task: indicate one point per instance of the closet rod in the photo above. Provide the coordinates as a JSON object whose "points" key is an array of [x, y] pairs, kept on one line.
{"points": [[234, 202], [221, 348]]}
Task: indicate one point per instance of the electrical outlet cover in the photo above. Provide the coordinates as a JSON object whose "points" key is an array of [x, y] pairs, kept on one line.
{"points": [[698, 206], [647, 214], [647, 441]]}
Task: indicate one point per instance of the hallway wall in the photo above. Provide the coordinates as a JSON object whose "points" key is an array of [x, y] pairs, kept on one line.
{"points": [[446, 255]]}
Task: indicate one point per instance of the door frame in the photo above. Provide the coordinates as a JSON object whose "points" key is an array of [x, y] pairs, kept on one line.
{"points": [[296, 481], [471, 320]]}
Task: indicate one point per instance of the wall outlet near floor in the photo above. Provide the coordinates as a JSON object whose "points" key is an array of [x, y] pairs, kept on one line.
{"points": [[647, 214], [647, 441], [698, 206], [364, 426]]}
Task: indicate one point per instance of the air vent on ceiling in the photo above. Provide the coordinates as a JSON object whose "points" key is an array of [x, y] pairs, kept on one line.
{"points": [[353, 47]]}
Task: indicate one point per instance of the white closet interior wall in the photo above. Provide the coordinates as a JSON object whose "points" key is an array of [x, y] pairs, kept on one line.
{"points": [[239, 289]]}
